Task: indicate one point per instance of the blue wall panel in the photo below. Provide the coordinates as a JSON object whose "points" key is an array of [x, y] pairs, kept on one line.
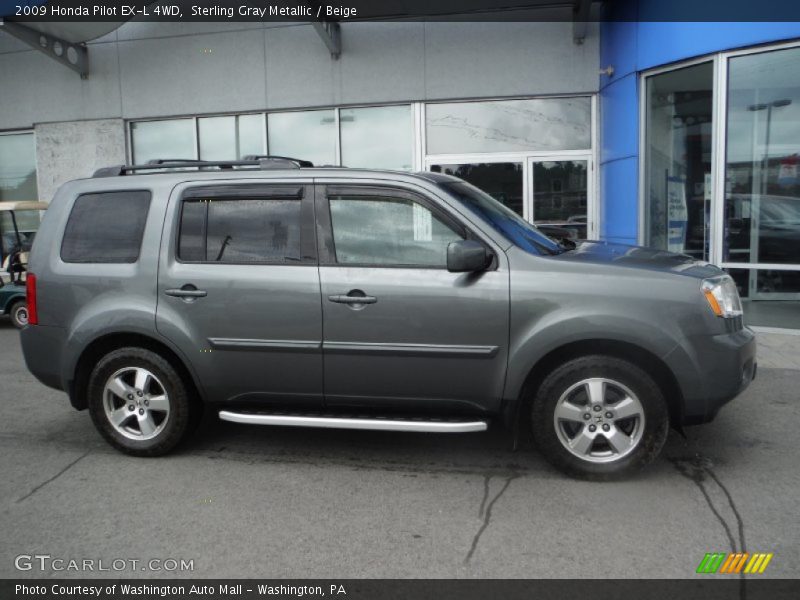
{"points": [[620, 138], [662, 43], [618, 183]]}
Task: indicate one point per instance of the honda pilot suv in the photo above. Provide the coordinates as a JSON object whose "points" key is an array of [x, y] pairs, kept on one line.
{"points": [[279, 294]]}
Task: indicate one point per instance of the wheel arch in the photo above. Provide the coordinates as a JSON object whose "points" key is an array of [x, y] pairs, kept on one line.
{"points": [[631, 352], [76, 387], [11, 301]]}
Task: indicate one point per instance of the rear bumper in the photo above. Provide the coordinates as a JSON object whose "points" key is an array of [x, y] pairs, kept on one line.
{"points": [[42, 348], [715, 370]]}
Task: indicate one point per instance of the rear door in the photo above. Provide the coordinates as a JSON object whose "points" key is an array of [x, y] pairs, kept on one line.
{"points": [[400, 331], [238, 290]]}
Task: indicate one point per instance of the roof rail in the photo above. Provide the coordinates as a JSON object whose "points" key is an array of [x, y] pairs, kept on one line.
{"points": [[162, 164], [304, 164], [161, 161]]}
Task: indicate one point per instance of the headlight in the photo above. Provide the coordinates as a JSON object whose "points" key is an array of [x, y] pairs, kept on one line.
{"points": [[722, 296]]}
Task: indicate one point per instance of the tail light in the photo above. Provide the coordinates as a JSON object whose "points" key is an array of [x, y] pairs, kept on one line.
{"points": [[30, 291]]}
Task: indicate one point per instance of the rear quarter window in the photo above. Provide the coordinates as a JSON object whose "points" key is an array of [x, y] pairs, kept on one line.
{"points": [[106, 227]]}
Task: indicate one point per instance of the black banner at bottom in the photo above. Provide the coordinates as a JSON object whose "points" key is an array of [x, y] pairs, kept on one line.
{"points": [[701, 588]]}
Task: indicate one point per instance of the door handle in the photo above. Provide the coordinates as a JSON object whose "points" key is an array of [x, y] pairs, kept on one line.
{"points": [[187, 291], [348, 299]]}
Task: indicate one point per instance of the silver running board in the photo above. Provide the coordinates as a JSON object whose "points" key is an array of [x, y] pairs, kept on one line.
{"points": [[377, 424]]}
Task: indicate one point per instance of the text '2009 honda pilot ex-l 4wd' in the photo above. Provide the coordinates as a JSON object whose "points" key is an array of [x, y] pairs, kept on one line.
{"points": [[281, 294]]}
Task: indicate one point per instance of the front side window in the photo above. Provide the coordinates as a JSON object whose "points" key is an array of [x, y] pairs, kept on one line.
{"points": [[106, 227], [388, 230], [240, 230]]}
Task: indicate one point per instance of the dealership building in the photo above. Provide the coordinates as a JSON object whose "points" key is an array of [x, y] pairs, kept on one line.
{"points": [[682, 136]]}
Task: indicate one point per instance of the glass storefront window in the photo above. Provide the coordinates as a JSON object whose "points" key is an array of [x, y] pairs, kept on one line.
{"points": [[252, 135], [771, 298], [509, 125], [762, 165], [163, 139], [17, 167], [231, 138], [380, 137], [678, 158], [308, 135], [217, 138]]}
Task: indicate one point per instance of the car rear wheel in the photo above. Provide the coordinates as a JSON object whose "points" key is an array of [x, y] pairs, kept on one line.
{"points": [[138, 402], [599, 417], [19, 314]]}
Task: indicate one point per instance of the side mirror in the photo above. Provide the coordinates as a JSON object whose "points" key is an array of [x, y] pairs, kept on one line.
{"points": [[467, 256]]}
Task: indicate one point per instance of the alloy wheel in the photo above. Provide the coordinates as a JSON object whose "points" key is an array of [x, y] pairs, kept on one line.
{"points": [[599, 420], [136, 403]]}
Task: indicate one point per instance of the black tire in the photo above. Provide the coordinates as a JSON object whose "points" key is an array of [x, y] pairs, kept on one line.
{"points": [[19, 314], [647, 392], [182, 409]]}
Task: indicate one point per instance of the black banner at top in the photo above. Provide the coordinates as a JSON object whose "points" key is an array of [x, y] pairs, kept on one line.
{"points": [[385, 10]]}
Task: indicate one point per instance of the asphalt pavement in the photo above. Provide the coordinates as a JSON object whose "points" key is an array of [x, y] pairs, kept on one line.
{"points": [[250, 501]]}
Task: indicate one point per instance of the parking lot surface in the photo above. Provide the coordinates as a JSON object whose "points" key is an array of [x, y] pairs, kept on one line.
{"points": [[249, 501]]}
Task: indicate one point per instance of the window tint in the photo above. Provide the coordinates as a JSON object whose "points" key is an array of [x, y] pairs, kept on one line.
{"points": [[251, 230], [106, 227], [384, 230], [192, 240]]}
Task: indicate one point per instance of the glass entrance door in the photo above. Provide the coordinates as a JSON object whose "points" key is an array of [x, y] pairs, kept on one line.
{"points": [[761, 212], [503, 181], [560, 194], [554, 192]]}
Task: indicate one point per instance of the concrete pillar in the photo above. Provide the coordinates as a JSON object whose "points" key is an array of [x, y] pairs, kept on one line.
{"points": [[74, 149]]}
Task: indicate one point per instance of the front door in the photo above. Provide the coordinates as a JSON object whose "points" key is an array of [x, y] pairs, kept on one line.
{"points": [[238, 291], [400, 331]]}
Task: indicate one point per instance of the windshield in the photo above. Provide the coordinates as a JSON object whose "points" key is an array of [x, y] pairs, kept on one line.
{"points": [[502, 219]]}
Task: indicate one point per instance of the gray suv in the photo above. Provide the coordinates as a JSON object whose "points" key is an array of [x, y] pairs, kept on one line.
{"points": [[275, 293]]}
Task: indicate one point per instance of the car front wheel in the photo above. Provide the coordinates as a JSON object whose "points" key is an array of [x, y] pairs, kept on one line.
{"points": [[599, 417]]}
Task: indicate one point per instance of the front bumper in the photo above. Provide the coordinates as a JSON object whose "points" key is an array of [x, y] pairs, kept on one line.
{"points": [[715, 370]]}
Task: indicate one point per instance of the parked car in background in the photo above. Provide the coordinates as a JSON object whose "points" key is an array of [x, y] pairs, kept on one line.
{"points": [[18, 224], [573, 229], [275, 293]]}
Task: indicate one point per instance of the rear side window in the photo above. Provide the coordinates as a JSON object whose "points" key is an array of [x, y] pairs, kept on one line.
{"points": [[241, 230], [106, 227]]}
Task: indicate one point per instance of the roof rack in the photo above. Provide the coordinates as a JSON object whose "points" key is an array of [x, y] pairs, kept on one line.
{"points": [[304, 164], [161, 164]]}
